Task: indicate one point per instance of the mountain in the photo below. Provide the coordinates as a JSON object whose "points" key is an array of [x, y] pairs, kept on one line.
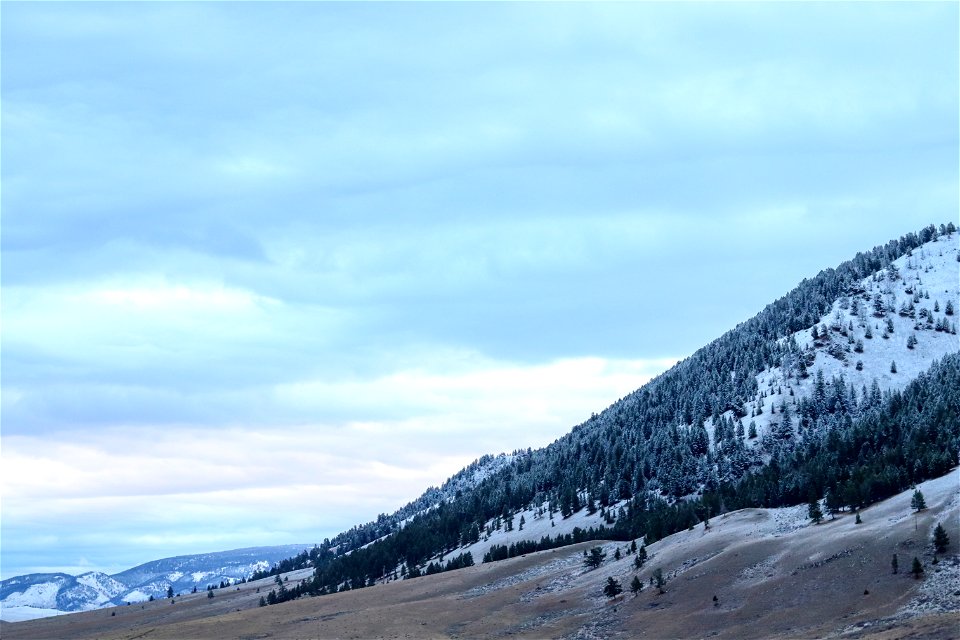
{"points": [[46, 594], [846, 389]]}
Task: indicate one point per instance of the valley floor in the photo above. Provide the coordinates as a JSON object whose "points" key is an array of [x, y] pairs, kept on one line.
{"points": [[773, 575]]}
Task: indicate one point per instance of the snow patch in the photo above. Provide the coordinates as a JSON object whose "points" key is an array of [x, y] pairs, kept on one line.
{"points": [[40, 596], [136, 596]]}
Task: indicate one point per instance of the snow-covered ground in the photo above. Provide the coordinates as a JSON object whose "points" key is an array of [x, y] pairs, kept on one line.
{"points": [[135, 596], [537, 524]]}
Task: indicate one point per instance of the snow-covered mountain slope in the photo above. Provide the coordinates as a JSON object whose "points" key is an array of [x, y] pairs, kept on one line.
{"points": [[35, 590], [903, 317], [90, 591], [904, 309], [43, 594], [888, 329]]}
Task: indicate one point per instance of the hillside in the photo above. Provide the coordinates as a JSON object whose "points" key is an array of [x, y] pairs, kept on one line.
{"points": [[699, 440], [773, 572]]}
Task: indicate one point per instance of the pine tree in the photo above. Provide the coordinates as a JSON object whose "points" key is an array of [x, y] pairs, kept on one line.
{"points": [[940, 538], [833, 502], [641, 556], [917, 501], [658, 579], [893, 366], [636, 586], [917, 568], [612, 589], [895, 564], [595, 558], [814, 512], [170, 591]]}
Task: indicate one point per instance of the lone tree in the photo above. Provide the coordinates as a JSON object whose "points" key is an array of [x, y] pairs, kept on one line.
{"points": [[636, 586], [917, 502], [940, 538], [612, 589], [595, 558], [658, 581], [814, 512], [917, 568], [170, 591]]}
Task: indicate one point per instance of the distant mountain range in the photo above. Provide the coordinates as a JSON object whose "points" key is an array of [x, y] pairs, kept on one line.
{"points": [[43, 594]]}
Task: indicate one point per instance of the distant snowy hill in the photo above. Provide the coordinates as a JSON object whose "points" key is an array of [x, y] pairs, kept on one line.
{"points": [[44, 594]]}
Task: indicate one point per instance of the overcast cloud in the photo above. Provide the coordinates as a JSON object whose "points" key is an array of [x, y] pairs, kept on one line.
{"points": [[269, 270]]}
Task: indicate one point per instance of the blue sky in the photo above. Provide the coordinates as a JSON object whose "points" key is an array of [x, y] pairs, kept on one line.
{"points": [[269, 270]]}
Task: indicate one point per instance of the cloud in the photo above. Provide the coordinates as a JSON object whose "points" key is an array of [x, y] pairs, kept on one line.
{"points": [[172, 488]]}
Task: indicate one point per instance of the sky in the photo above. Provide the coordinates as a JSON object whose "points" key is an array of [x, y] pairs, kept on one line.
{"points": [[269, 270]]}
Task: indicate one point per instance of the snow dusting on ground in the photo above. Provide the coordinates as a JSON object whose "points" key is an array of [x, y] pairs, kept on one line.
{"points": [[913, 296]]}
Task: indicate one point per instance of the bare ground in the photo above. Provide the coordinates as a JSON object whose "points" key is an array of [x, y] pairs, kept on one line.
{"points": [[773, 575]]}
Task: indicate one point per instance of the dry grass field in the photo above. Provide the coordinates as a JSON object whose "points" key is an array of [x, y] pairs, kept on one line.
{"points": [[773, 574]]}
